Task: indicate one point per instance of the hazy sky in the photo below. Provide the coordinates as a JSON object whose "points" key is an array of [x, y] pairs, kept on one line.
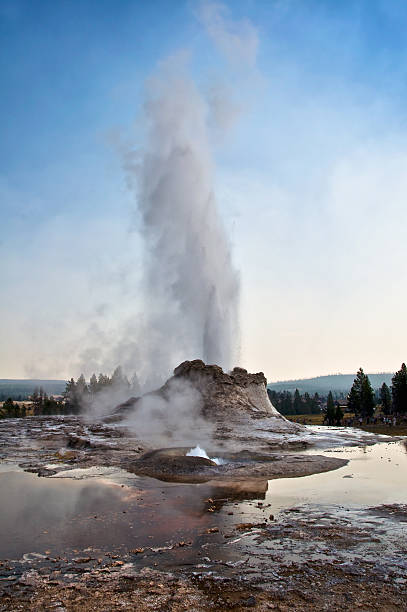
{"points": [[308, 138]]}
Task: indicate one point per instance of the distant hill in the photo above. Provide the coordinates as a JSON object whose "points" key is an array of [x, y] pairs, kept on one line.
{"points": [[21, 389], [339, 383]]}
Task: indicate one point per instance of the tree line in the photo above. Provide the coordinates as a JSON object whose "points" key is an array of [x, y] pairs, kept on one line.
{"points": [[80, 394], [40, 404], [77, 396], [286, 403], [361, 399]]}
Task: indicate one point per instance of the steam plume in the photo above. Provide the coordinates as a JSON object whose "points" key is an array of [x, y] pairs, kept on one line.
{"points": [[191, 287], [237, 40]]}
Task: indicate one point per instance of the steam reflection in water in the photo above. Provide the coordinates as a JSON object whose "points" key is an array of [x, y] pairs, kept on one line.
{"points": [[121, 513], [39, 514]]}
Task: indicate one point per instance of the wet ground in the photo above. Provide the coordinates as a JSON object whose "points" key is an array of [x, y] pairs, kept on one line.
{"points": [[102, 538]]}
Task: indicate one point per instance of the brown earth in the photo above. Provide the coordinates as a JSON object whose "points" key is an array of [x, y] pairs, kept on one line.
{"points": [[281, 573]]}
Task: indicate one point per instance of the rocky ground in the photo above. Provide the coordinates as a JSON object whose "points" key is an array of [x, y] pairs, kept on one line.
{"points": [[137, 543], [306, 558], [309, 559], [48, 445]]}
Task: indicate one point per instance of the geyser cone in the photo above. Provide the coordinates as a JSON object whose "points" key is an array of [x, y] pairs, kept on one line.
{"points": [[202, 404]]}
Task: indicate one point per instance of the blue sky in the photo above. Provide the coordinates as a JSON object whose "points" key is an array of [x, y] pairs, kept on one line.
{"points": [[310, 179]]}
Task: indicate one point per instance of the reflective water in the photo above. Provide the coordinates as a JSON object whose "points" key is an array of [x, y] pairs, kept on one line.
{"points": [[374, 475], [117, 510], [55, 515]]}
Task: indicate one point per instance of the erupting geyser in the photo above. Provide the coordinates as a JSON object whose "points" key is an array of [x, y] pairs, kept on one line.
{"points": [[191, 287]]}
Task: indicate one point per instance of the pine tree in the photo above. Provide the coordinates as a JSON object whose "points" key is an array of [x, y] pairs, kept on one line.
{"points": [[93, 384], [307, 405], [10, 409], [367, 398], [272, 395], [316, 404], [355, 394], [284, 403], [297, 404], [117, 378], [330, 409], [338, 414], [288, 403], [103, 381], [81, 394], [354, 400], [385, 399], [81, 386], [70, 396], [399, 390], [361, 396], [69, 389]]}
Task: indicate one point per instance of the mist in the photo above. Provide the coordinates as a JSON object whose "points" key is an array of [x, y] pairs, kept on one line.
{"points": [[173, 419]]}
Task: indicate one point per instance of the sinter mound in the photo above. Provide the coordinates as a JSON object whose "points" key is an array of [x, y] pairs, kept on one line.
{"points": [[224, 393], [236, 403], [244, 421]]}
